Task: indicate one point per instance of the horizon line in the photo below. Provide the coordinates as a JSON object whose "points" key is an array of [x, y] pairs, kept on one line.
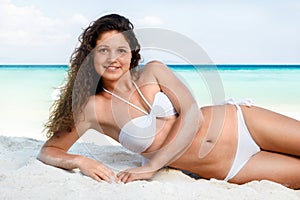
{"points": [[53, 64]]}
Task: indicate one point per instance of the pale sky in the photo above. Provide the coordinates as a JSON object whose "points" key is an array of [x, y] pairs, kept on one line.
{"points": [[256, 31]]}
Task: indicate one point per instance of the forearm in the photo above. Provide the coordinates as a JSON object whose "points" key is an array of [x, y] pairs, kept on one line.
{"points": [[186, 127], [59, 158]]}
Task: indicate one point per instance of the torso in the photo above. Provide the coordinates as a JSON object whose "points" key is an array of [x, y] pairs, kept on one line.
{"points": [[212, 156], [213, 161]]}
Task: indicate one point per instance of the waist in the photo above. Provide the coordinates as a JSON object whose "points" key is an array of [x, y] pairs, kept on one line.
{"points": [[163, 133]]}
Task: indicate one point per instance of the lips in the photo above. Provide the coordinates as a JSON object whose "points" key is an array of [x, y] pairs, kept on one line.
{"points": [[112, 68]]}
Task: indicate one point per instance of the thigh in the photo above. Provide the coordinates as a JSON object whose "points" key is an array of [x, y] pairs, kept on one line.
{"points": [[273, 131], [271, 166]]}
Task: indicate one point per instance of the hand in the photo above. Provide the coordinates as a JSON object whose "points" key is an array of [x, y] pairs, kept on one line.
{"points": [[138, 173], [96, 170]]}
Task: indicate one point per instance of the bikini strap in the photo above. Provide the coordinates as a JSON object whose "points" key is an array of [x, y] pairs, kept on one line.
{"points": [[140, 93], [124, 100]]}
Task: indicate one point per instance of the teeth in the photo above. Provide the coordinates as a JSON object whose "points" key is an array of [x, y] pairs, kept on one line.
{"points": [[111, 67]]}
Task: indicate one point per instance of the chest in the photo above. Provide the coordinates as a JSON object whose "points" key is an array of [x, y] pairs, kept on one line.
{"points": [[112, 114]]}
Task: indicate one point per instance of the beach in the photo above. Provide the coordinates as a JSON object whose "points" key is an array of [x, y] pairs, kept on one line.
{"points": [[24, 177], [23, 114]]}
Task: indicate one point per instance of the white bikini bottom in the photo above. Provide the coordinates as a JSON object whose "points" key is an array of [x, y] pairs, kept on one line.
{"points": [[246, 147]]}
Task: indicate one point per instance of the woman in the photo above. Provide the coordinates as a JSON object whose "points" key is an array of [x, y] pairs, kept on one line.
{"points": [[149, 111]]}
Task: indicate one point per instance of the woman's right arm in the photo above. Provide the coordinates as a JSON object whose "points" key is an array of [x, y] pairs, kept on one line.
{"points": [[54, 152]]}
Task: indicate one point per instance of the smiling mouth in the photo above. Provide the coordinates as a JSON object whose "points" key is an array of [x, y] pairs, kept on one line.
{"points": [[112, 68]]}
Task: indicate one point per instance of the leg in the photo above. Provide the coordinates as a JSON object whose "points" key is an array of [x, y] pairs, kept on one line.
{"points": [[271, 166], [273, 131]]}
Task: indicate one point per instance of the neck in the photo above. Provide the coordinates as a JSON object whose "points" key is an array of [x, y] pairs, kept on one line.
{"points": [[121, 85]]}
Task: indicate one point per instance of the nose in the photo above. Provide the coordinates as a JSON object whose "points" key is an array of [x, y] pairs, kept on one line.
{"points": [[112, 56]]}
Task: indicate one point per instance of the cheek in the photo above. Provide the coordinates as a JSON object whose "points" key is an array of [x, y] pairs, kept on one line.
{"points": [[98, 59], [127, 60], [98, 64]]}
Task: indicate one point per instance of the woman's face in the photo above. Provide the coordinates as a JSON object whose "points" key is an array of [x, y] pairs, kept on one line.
{"points": [[112, 55]]}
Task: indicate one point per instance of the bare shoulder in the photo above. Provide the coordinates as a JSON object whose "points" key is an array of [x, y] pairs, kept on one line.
{"points": [[64, 139], [155, 66], [155, 69], [90, 104], [97, 111], [93, 106]]}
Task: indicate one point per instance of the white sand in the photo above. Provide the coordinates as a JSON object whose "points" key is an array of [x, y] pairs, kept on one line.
{"points": [[24, 177]]}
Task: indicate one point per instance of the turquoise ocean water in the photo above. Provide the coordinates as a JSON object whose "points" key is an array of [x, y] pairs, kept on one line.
{"points": [[26, 90]]}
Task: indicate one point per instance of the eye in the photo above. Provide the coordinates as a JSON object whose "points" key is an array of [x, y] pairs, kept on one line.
{"points": [[103, 50], [122, 51]]}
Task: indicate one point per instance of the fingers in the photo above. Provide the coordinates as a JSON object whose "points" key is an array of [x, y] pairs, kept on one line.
{"points": [[103, 176], [108, 175], [95, 177], [126, 176], [101, 173], [132, 175]]}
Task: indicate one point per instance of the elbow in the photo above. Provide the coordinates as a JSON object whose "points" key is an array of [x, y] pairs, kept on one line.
{"points": [[42, 154], [46, 154]]}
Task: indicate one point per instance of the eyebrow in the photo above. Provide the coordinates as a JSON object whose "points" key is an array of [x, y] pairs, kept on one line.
{"points": [[126, 47], [104, 45]]}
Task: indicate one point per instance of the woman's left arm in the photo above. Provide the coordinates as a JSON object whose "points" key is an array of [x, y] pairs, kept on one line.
{"points": [[185, 128]]}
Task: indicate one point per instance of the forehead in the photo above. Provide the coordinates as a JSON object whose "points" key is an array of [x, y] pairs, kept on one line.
{"points": [[112, 38]]}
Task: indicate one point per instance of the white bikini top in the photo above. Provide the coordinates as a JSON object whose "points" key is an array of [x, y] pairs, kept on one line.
{"points": [[138, 134]]}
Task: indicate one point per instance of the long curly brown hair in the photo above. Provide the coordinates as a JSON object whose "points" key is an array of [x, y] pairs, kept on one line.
{"points": [[83, 81]]}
